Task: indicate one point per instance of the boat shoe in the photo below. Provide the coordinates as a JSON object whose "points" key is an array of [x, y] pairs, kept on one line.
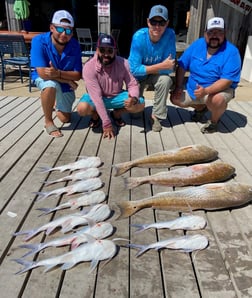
{"points": [[209, 127], [155, 123]]}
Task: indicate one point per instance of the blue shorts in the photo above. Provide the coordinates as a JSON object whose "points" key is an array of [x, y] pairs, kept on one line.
{"points": [[64, 100], [116, 102]]}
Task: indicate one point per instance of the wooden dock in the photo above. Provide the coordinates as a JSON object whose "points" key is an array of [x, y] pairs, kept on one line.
{"points": [[223, 269]]}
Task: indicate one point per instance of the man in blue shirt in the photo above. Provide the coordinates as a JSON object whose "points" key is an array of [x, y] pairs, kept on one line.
{"points": [[56, 57], [152, 59], [214, 66]]}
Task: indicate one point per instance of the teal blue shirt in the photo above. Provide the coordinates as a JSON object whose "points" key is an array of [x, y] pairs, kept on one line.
{"points": [[144, 52], [224, 64], [43, 51]]}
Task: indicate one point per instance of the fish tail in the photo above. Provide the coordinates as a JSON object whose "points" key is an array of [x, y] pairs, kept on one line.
{"points": [[29, 233], [122, 168], [34, 248], [45, 211], [130, 182], [127, 209], [27, 265], [142, 248], [45, 169], [41, 195], [139, 227]]}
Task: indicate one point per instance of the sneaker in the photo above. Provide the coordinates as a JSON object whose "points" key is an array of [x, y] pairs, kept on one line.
{"points": [[209, 127], [155, 123], [198, 115]]}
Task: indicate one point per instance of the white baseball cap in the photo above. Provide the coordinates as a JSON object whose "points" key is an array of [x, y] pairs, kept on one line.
{"points": [[61, 15], [215, 23]]}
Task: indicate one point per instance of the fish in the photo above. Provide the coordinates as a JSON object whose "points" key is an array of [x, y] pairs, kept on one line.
{"points": [[80, 175], [187, 243], [97, 213], [83, 163], [192, 175], [94, 250], [212, 196], [186, 222], [89, 198], [180, 156], [98, 230], [80, 186]]}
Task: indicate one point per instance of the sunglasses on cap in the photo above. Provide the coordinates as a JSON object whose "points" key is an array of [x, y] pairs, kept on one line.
{"points": [[106, 50], [156, 22], [62, 29]]}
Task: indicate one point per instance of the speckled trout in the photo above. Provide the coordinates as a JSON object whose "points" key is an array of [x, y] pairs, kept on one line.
{"points": [[180, 156], [191, 175], [211, 196]]}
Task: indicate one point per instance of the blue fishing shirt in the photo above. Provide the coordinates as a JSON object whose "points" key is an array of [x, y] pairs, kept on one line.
{"points": [[43, 51], [144, 52], [224, 64]]}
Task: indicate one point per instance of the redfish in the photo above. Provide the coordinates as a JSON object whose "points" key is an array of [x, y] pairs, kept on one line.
{"points": [[166, 159], [212, 196], [192, 175]]}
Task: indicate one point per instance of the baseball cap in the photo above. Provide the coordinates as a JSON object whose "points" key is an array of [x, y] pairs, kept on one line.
{"points": [[105, 40], [61, 15], [215, 23], [159, 11]]}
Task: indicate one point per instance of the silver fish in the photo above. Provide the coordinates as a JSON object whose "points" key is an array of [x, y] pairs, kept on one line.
{"points": [[98, 230], [94, 251], [186, 243], [83, 163], [80, 186], [90, 198], [97, 213], [80, 175], [187, 222]]}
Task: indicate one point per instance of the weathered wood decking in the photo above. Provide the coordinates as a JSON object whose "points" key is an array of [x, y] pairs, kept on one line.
{"points": [[224, 269]]}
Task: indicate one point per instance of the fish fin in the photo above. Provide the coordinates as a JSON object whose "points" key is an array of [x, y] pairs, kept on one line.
{"points": [[27, 265], [94, 264], [41, 195], [91, 222], [66, 226], [139, 227], [50, 230], [122, 168], [130, 182], [34, 248], [90, 239], [29, 233], [127, 209], [68, 265], [49, 267], [45, 211]]}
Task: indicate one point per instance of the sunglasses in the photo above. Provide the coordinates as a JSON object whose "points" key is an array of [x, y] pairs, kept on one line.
{"points": [[61, 30], [109, 51], [156, 22]]}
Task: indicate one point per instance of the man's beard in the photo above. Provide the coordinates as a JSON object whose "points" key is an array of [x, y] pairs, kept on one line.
{"points": [[59, 43], [215, 45], [110, 60]]}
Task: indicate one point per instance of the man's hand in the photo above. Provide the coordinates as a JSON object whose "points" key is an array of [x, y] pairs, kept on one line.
{"points": [[131, 101], [200, 92], [169, 63], [73, 85], [176, 94], [108, 132], [51, 72]]}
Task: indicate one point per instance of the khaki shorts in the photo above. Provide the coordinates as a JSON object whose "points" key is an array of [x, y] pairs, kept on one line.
{"points": [[186, 100]]}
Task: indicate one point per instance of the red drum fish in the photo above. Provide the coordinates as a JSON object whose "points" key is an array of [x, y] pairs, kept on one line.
{"points": [[186, 243], [187, 222], [166, 159], [192, 175], [83, 163], [98, 230], [212, 196], [94, 251]]}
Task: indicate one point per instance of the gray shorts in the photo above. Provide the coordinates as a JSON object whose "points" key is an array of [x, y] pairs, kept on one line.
{"points": [[64, 100], [186, 100]]}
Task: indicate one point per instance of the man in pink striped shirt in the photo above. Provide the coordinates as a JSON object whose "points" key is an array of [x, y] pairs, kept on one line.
{"points": [[105, 75]]}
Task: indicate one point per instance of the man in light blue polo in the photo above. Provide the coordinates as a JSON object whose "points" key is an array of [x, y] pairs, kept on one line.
{"points": [[56, 57], [214, 65]]}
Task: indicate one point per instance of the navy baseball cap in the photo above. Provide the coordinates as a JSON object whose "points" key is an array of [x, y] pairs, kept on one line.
{"points": [[106, 41]]}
